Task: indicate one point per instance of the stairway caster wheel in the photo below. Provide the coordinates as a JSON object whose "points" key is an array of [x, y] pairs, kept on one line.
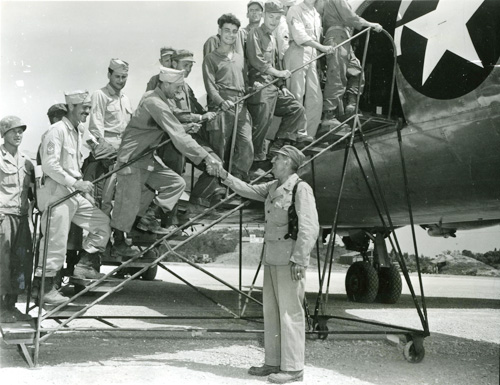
{"points": [[414, 352], [322, 330]]}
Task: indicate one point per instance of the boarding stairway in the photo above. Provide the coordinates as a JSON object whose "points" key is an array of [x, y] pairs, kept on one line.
{"points": [[155, 252]]}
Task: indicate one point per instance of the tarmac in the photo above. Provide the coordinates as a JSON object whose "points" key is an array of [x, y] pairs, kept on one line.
{"points": [[463, 314]]}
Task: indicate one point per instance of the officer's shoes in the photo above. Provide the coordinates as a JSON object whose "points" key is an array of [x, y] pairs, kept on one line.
{"points": [[86, 272], [121, 249], [264, 370], [151, 225], [286, 377]]}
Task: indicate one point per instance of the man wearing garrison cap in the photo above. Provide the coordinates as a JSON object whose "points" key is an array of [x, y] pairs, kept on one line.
{"points": [[60, 153], [111, 111], [152, 119], [165, 60], [285, 259]]}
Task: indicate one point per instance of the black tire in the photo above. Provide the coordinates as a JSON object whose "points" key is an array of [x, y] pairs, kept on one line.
{"points": [[414, 353], [389, 285], [150, 274], [361, 282]]}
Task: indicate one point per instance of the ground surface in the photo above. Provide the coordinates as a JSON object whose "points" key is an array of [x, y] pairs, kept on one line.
{"points": [[464, 314]]}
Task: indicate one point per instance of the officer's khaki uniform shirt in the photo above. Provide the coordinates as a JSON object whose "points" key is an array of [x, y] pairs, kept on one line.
{"points": [[304, 24], [111, 112], [61, 152], [15, 178], [278, 250]]}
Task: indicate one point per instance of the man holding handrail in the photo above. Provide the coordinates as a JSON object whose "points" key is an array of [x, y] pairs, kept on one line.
{"points": [[343, 73], [61, 165], [150, 121]]}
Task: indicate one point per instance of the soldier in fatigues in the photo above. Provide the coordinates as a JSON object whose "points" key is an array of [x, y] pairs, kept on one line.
{"points": [[61, 165], [285, 261], [16, 257], [304, 24], [165, 60], [274, 100], [150, 121], [343, 71], [225, 81]]}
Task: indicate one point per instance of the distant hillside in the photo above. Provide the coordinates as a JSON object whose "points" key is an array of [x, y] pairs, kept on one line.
{"points": [[459, 264]]}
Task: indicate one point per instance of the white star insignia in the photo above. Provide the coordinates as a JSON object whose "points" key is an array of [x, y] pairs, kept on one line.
{"points": [[445, 30]]}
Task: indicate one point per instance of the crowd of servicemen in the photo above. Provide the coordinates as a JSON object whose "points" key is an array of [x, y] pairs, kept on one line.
{"points": [[282, 35]]}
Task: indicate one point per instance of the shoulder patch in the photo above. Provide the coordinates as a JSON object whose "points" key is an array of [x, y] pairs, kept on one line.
{"points": [[50, 148]]}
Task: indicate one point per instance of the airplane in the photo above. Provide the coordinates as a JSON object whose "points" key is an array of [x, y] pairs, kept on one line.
{"points": [[447, 108]]}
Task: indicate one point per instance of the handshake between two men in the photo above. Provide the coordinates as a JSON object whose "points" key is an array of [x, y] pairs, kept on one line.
{"points": [[215, 168]]}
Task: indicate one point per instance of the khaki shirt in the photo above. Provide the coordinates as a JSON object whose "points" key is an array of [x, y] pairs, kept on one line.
{"points": [[110, 112], [60, 152], [304, 24], [16, 175], [152, 118], [278, 250], [338, 13]]}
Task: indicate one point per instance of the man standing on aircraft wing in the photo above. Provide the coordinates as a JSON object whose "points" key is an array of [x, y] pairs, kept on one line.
{"points": [[225, 81], [343, 71], [149, 122], [274, 100], [16, 256], [286, 257], [60, 152]]}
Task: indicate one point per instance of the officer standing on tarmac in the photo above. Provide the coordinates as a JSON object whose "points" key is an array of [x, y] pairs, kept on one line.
{"points": [[111, 111], [343, 67], [61, 165], [304, 24], [285, 260], [165, 60], [274, 100], [225, 81], [149, 122], [16, 256]]}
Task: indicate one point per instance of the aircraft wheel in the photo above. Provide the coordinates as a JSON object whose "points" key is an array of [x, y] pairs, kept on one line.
{"points": [[150, 274], [414, 352], [361, 282], [389, 285]]}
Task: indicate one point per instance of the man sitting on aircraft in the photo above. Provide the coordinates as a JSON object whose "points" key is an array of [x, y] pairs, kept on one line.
{"points": [[150, 121], [343, 73]]}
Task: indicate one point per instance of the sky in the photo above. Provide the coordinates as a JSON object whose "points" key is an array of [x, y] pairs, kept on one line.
{"points": [[51, 47]]}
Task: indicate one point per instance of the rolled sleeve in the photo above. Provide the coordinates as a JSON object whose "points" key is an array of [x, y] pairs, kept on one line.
{"points": [[169, 123], [257, 192], [305, 206], [297, 28]]}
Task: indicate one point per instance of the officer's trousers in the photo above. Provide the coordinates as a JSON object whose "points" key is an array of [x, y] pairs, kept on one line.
{"points": [[284, 318], [272, 102], [304, 84], [133, 193], [343, 72], [77, 210]]}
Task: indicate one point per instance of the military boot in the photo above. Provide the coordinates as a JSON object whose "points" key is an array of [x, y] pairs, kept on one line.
{"points": [[350, 108], [6, 314], [10, 301], [51, 295], [149, 223]]}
